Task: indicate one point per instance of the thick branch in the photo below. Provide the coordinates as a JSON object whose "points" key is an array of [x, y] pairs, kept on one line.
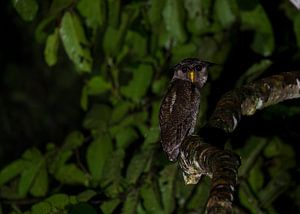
{"points": [[198, 158], [249, 98]]}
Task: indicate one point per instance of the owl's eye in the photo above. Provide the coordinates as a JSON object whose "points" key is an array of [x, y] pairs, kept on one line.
{"points": [[198, 68], [184, 69]]}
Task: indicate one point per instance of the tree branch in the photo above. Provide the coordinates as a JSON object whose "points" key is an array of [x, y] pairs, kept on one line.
{"points": [[198, 157]]}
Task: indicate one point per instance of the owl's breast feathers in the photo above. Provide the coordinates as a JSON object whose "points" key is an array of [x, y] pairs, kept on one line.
{"points": [[178, 115]]}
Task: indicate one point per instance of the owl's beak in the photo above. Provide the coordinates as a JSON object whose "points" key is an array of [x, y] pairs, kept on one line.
{"points": [[192, 75]]}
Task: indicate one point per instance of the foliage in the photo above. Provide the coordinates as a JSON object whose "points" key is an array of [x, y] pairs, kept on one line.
{"points": [[122, 51]]}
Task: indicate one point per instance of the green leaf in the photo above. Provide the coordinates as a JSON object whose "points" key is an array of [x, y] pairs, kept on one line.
{"points": [[108, 207], [297, 29], [152, 135], [40, 185], [155, 12], [173, 15], [155, 113], [27, 9], [119, 111], [166, 185], [71, 174], [41, 208], [254, 72], [98, 152], [258, 21], [75, 42], [130, 203], [159, 86], [138, 165], [151, 200], [97, 85], [35, 162], [12, 170], [81, 208], [256, 177], [114, 37], [125, 137], [225, 12], [51, 48], [113, 168], [199, 198], [86, 195], [57, 6], [138, 86], [73, 140], [93, 12], [58, 200], [136, 43], [198, 14], [98, 117], [84, 98], [183, 51]]}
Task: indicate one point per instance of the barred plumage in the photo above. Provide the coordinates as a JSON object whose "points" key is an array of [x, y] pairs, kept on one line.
{"points": [[179, 108]]}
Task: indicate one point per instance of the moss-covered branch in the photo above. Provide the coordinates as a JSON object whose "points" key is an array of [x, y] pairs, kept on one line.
{"points": [[251, 97], [198, 157]]}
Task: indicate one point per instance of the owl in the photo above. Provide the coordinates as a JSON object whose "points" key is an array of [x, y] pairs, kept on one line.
{"points": [[179, 107]]}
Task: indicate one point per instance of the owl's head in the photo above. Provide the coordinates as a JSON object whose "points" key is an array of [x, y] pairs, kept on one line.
{"points": [[193, 70]]}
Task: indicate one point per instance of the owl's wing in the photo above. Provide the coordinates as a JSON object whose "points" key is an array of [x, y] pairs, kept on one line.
{"points": [[177, 116], [167, 105]]}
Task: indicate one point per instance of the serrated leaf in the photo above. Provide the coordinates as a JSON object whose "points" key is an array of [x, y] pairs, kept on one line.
{"points": [[10, 171], [71, 174], [173, 15], [258, 21], [51, 48], [98, 152], [27, 9], [75, 42], [73, 140], [138, 86], [93, 12], [40, 185], [108, 207], [297, 29], [84, 98], [97, 85]]}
